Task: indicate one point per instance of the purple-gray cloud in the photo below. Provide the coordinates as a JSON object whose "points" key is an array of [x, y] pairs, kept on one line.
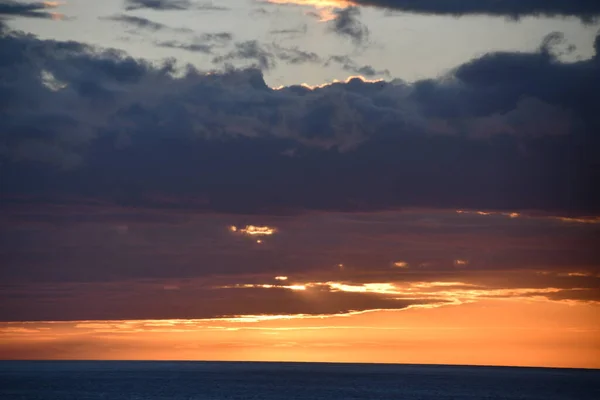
{"points": [[503, 131]]}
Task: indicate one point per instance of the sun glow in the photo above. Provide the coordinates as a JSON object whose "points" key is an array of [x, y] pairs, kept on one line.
{"points": [[252, 230], [492, 332], [325, 9]]}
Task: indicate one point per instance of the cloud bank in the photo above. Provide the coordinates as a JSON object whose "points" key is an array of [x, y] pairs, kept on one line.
{"points": [[503, 131]]}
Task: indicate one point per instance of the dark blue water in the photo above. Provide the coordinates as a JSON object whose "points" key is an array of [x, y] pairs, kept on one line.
{"points": [[84, 380]]}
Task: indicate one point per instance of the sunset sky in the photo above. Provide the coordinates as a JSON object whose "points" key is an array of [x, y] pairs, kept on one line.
{"points": [[392, 181]]}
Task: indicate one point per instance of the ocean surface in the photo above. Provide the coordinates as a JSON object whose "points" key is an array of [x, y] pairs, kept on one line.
{"points": [[116, 380]]}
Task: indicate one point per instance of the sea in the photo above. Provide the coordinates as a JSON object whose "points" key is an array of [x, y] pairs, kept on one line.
{"points": [[145, 380]]}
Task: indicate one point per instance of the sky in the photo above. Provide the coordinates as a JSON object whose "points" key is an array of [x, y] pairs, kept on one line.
{"points": [[300, 180]]}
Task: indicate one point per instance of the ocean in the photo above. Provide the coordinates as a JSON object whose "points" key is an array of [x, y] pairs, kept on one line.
{"points": [[120, 380]]}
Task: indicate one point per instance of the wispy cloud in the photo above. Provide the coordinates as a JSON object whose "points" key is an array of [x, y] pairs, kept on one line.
{"points": [[171, 5], [346, 23], [143, 23], [205, 43], [39, 9], [350, 65], [158, 4]]}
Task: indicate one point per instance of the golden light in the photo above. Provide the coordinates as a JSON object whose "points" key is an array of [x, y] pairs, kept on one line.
{"points": [[281, 278], [253, 230], [233, 228], [324, 8], [401, 264]]}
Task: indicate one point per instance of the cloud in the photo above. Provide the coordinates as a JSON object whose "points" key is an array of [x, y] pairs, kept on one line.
{"points": [[143, 23], [584, 9], [265, 57], [204, 43], [192, 47], [171, 5], [158, 4], [100, 261], [346, 23], [302, 29], [505, 131], [350, 65], [294, 55], [211, 7], [249, 50], [587, 10], [39, 9]]}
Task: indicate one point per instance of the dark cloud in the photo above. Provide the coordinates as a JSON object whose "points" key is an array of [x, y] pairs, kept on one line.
{"points": [[202, 302], [265, 57], [294, 55], [171, 5], [587, 10], [350, 65], [204, 43], [302, 29], [38, 9], [250, 50], [142, 23], [107, 262], [347, 24], [503, 131], [211, 7], [193, 47], [158, 4]]}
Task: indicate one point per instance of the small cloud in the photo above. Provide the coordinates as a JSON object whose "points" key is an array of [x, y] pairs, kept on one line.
{"points": [[38, 9], [158, 4], [204, 43], [293, 55], [171, 5], [249, 50], [302, 29], [401, 264], [281, 278], [350, 65], [192, 47], [136, 22], [211, 7], [461, 262], [346, 23]]}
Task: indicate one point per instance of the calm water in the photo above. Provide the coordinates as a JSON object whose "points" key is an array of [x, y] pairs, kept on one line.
{"points": [[83, 380]]}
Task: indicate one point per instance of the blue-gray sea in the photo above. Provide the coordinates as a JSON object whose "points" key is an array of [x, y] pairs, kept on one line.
{"points": [[116, 380]]}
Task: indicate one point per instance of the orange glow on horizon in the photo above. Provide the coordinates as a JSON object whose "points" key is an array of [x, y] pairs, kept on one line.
{"points": [[489, 332]]}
